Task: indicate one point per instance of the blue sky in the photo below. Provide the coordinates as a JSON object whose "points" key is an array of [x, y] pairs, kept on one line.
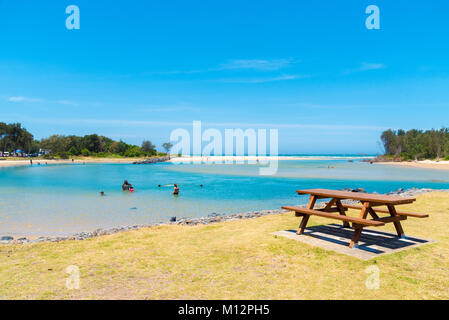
{"points": [[137, 70]]}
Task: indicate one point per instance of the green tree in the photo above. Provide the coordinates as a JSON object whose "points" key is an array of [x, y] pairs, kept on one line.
{"points": [[148, 147], [114, 147], [73, 151], [55, 143], [13, 137], [133, 151], [416, 144], [93, 143], [167, 146]]}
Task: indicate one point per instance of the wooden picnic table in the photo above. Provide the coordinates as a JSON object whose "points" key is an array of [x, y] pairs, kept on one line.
{"points": [[335, 209]]}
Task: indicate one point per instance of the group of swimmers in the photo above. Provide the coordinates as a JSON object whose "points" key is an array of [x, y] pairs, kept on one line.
{"points": [[126, 186], [31, 162]]}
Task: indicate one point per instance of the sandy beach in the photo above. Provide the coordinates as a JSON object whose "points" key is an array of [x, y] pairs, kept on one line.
{"points": [[185, 159], [427, 164], [13, 163]]}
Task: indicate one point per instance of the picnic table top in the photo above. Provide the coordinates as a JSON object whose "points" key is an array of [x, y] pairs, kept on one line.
{"points": [[368, 197]]}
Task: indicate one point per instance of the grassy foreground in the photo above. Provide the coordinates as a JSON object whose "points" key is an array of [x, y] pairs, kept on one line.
{"points": [[230, 260]]}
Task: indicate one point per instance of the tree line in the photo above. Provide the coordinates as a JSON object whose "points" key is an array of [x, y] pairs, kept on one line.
{"points": [[14, 137], [416, 144]]}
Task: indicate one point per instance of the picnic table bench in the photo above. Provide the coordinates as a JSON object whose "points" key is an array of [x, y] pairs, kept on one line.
{"points": [[369, 204]]}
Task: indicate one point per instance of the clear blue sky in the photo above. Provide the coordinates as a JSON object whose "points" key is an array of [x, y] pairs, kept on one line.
{"points": [[139, 69]]}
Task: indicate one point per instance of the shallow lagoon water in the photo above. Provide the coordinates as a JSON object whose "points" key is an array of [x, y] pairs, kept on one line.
{"points": [[64, 199]]}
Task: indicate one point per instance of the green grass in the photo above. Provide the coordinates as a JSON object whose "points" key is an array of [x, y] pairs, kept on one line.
{"points": [[229, 260]]}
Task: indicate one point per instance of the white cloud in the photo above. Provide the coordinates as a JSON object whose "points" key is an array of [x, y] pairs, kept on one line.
{"points": [[262, 79], [39, 100], [257, 64], [371, 66], [188, 125], [366, 66], [67, 102], [174, 109], [237, 64], [23, 99]]}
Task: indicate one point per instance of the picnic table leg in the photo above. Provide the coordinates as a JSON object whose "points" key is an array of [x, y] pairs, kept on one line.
{"points": [[305, 218], [357, 227], [356, 236], [341, 210], [397, 224]]}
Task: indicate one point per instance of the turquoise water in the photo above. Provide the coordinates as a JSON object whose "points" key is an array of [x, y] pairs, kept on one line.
{"points": [[63, 199]]}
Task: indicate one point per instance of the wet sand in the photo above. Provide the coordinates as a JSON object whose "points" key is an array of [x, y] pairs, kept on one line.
{"points": [[13, 163], [259, 158], [425, 164]]}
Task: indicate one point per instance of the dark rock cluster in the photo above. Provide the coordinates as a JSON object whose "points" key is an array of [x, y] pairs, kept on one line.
{"points": [[152, 160]]}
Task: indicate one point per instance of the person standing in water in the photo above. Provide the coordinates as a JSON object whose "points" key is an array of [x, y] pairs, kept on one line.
{"points": [[176, 190], [126, 185]]}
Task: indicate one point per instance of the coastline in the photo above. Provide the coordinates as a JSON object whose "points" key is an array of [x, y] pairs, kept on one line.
{"points": [[209, 159], [20, 162], [210, 219], [424, 164], [175, 159]]}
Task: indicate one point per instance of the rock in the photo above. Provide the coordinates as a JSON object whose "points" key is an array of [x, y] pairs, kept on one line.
{"points": [[6, 238], [173, 219], [213, 214], [359, 190], [152, 160]]}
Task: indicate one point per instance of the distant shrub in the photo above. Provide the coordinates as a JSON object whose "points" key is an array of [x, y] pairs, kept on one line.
{"points": [[100, 155], [73, 151], [446, 158], [85, 152], [133, 152], [63, 155]]}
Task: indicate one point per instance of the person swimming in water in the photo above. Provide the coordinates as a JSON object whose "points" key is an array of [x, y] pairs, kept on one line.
{"points": [[176, 190], [126, 186]]}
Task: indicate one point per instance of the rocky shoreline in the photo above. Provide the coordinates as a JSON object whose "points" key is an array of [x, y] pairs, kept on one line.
{"points": [[152, 160], [212, 218]]}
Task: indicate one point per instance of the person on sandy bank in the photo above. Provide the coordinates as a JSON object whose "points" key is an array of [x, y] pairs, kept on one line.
{"points": [[126, 186], [175, 190]]}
